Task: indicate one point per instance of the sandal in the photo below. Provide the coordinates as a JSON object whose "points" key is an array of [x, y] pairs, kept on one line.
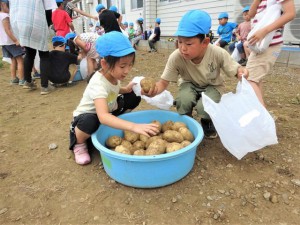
{"points": [[82, 156]]}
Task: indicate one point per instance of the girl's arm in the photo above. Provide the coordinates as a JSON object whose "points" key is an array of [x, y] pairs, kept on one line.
{"points": [[108, 119], [8, 31], [253, 8], [85, 14], [127, 89]]}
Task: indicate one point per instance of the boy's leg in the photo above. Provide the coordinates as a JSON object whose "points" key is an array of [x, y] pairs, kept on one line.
{"points": [[186, 98]]}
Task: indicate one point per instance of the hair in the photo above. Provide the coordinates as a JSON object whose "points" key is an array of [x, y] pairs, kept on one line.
{"points": [[73, 48], [112, 60], [57, 43], [202, 36]]}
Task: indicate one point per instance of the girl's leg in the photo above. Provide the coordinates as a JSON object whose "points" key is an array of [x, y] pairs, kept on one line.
{"points": [[258, 89], [20, 66], [13, 69]]}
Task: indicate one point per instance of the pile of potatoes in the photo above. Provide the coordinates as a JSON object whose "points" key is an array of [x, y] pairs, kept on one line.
{"points": [[172, 137]]}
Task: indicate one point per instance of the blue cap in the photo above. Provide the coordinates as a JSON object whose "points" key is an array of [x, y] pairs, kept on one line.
{"points": [[99, 7], [157, 20], [58, 39], [59, 1], [114, 44], [223, 15], [131, 24], [70, 35], [5, 1], [113, 8], [247, 8], [194, 22], [140, 19], [125, 23]]}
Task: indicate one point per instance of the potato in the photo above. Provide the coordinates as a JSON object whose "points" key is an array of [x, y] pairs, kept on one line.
{"points": [[123, 150], [138, 145], [147, 83], [186, 133], [113, 141], [131, 136], [172, 147], [177, 125], [139, 152], [185, 143], [144, 138], [158, 123], [151, 139], [159, 145], [167, 126], [126, 144], [152, 151], [173, 136]]}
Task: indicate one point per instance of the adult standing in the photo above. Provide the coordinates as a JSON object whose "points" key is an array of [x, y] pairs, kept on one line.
{"points": [[30, 25]]}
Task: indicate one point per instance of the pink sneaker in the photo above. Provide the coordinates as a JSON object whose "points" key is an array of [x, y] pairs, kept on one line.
{"points": [[82, 156]]}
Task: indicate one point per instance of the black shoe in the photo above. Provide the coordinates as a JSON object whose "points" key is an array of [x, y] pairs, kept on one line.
{"points": [[241, 61], [209, 129], [244, 63]]}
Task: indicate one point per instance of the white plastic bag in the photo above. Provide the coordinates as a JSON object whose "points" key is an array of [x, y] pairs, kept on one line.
{"points": [[235, 54], [241, 121], [83, 68], [272, 13], [163, 101]]}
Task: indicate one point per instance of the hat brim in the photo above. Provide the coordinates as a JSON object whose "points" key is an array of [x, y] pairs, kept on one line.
{"points": [[123, 52], [185, 33]]}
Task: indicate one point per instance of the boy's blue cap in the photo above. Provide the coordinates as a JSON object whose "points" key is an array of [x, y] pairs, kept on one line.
{"points": [[125, 23], [223, 15], [113, 8], [193, 23], [4, 1], [70, 35], [59, 1], [58, 39], [114, 44], [157, 20], [99, 7], [140, 19], [131, 24], [247, 8]]}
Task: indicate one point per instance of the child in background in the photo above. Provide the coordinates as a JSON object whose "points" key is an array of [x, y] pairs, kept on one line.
{"points": [[259, 65], [91, 27], [225, 29], [155, 37], [199, 65], [138, 33], [109, 20], [60, 63], [104, 98], [10, 46], [131, 31], [62, 22], [241, 33]]}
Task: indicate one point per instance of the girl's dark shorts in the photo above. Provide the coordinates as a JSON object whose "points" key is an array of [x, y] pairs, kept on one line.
{"points": [[89, 122]]}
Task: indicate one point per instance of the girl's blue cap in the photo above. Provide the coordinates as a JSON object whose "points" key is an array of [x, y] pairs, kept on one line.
{"points": [[58, 39], [247, 8], [157, 20], [193, 23], [70, 35], [113, 8], [140, 19], [131, 24], [114, 44], [223, 15], [99, 7]]}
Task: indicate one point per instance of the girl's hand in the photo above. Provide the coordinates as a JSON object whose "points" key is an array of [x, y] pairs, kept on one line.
{"points": [[150, 129], [129, 86], [242, 71], [257, 36]]}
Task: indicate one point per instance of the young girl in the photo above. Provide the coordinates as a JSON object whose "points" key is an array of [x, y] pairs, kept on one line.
{"points": [[86, 42], [104, 98], [139, 32]]}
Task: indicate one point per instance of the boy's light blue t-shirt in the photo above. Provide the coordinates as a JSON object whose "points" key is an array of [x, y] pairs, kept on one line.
{"points": [[225, 31]]}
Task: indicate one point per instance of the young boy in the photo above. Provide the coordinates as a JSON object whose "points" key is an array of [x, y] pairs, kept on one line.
{"points": [[259, 65], [156, 36], [241, 34], [62, 22], [225, 29], [131, 31], [10, 46], [199, 64], [60, 62]]}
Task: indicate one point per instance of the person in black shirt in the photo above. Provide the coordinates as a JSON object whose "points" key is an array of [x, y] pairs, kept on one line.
{"points": [[60, 62], [109, 20], [155, 36]]}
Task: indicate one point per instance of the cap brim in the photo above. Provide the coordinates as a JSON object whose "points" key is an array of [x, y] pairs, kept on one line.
{"points": [[123, 52], [185, 33]]}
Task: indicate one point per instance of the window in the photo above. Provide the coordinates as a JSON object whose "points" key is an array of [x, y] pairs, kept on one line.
{"points": [[169, 0], [109, 4], [136, 4], [122, 11]]}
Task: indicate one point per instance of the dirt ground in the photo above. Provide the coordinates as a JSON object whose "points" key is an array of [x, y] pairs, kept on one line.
{"points": [[42, 186]]}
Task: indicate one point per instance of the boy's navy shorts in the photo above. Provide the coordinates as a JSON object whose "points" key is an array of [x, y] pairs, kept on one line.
{"points": [[12, 51]]}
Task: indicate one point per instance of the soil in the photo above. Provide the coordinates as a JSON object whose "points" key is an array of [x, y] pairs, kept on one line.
{"points": [[43, 186]]}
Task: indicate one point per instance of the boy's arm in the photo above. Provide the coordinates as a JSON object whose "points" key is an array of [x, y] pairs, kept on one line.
{"points": [[8, 31], [160, 86], [71, 26]]}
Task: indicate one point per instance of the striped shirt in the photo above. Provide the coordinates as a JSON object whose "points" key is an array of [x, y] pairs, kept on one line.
{"points": [[261, 9]]}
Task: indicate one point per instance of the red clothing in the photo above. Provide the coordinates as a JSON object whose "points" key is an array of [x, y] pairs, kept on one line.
{"points": [[61, 20]]}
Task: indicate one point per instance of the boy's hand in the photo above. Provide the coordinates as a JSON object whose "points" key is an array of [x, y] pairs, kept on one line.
{"points": [[151, 93], [242, 71]]}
